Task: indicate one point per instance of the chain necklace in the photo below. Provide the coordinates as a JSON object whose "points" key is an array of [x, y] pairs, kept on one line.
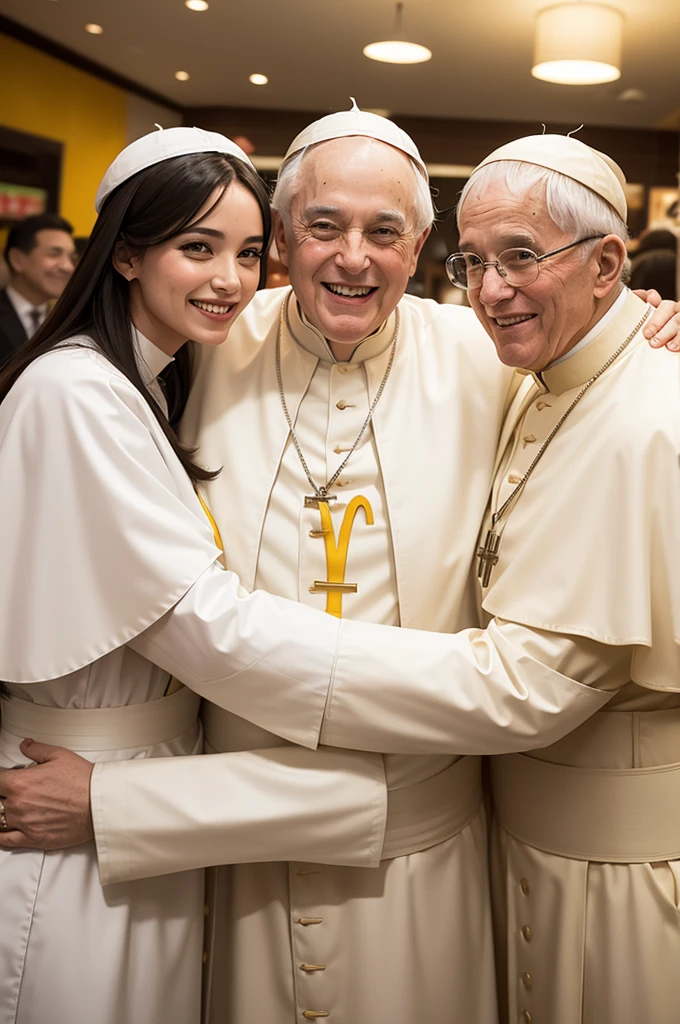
{"points": [[321, 493], [488, 553]]}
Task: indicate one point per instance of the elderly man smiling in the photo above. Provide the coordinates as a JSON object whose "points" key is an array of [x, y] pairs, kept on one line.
{"points": [[357, 431]]}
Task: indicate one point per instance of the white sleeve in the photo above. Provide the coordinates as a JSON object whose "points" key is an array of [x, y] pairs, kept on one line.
{"points": [[161, 815], [264, 658], [492, 691]]}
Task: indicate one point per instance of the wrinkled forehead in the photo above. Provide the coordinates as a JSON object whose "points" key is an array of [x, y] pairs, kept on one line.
{"points": [[356, 166], [494, 207]]}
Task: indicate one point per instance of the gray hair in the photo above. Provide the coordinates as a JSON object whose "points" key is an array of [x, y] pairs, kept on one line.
{"points": [[287, 183], [574, 208]]}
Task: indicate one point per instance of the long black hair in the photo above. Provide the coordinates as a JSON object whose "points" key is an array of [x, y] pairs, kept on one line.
{"points": [[150, 208]]}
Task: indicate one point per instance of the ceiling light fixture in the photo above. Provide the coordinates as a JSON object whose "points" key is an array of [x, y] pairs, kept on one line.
{"points": [[182, 76], [578, 44], [94, 30], [258, 79], [397, 50], [196, 5]]}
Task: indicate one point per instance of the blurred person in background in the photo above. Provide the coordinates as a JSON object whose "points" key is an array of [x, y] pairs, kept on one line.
{"points": [[654, 263], [40, 254]]}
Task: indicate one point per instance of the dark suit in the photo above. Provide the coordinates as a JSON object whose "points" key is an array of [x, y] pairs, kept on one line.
{"points": [[12, 333]]}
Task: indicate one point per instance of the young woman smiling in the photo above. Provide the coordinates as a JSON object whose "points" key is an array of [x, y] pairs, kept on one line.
{"points": [[110, 579]]}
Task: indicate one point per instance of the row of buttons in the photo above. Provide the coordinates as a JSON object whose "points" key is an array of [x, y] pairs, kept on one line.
{"points": [[527, 935], [306, 922]]}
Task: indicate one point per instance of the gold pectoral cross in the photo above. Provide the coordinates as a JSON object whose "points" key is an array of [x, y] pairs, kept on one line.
{"points": [[488, 556], [336, 553]]}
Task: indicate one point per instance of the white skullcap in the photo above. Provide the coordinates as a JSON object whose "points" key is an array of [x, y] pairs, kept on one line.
{"points": [[572, 158], [162, 145], [357, 122]]}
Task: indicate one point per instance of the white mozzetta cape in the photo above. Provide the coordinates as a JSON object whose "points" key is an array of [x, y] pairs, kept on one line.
{"points": [[102, 531], [436, 428], [604, 565]]}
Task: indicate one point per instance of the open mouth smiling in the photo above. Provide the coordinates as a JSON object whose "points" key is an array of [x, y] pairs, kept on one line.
{"points": [[350, 291], [212, 307], [512, 321]]}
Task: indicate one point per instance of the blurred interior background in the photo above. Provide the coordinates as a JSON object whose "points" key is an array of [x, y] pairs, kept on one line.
{"points": [[82, 78]]}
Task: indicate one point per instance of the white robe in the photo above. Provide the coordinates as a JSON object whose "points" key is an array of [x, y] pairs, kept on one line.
{"points": [[605, 926], [104, 538]]}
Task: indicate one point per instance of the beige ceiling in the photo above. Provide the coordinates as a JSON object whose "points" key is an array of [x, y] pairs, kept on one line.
{"points": [[311, 52]]}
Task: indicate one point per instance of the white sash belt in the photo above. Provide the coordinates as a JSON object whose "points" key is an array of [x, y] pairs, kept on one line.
{"points": [[599, 814], [432, 811], [136, 725]]}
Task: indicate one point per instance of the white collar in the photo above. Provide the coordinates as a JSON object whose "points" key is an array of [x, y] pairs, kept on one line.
{"points": [[312, 340], [151, 360], [22, 305], [595, 331]]}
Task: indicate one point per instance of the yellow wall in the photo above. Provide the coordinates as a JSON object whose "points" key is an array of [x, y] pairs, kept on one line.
{"points": [[45, 96]]}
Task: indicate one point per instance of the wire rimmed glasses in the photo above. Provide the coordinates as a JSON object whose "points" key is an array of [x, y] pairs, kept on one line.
{"points": [[518, 266]]}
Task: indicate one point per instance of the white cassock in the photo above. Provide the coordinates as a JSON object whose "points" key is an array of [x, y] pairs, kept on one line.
{"points": [[587, 855], [108, 571], [411, 940]]}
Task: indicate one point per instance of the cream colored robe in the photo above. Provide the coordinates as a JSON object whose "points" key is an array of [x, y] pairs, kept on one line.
{"points": [[604, 940], [587, 584], [410, 940]]}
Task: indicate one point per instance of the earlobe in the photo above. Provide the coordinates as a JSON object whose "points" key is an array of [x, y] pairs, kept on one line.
{"points": [[123, 262], [279, 234], [611, 260]]}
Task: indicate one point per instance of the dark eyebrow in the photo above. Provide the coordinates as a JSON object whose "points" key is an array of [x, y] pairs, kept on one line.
{"points": [[212, 233], [196, 230]]}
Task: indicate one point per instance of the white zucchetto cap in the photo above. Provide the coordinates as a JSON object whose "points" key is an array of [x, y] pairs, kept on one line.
{"points": [[571, 157], [357, 122], [162, 145]]}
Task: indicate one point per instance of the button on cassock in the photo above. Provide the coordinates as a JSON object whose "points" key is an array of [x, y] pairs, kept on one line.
{"points": [[527, 1018], [527, 981], [524, 886], [313, 1014], [527, 933], [313, 967], [305, 921]]}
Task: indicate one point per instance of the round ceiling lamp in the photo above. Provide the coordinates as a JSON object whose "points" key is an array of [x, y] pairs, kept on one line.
{"points": [[397, 50], [578, 44]]}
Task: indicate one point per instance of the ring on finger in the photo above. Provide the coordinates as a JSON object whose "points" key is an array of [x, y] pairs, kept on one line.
{"points": [[3, 820]]}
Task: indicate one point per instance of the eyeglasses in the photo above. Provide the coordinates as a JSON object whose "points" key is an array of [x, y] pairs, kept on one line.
{"points": [[519, 267]]}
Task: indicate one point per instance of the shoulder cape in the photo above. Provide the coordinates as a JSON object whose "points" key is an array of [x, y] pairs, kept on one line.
{"points": [[592, 547], [101, 530]]}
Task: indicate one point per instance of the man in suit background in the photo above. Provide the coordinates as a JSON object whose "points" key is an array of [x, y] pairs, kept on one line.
{"points": [[39, 254]]}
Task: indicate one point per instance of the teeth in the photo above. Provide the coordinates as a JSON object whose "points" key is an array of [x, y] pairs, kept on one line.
{"points": [[210, 307], [509, 320], [344, 289]]}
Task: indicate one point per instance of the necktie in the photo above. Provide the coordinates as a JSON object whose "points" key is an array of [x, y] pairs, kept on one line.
{"points": [[35, 316]]}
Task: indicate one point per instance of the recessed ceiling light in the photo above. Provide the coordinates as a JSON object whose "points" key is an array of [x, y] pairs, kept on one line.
{"points": [[258, 79], [94, 30], [196, 5], [182, 76]]}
